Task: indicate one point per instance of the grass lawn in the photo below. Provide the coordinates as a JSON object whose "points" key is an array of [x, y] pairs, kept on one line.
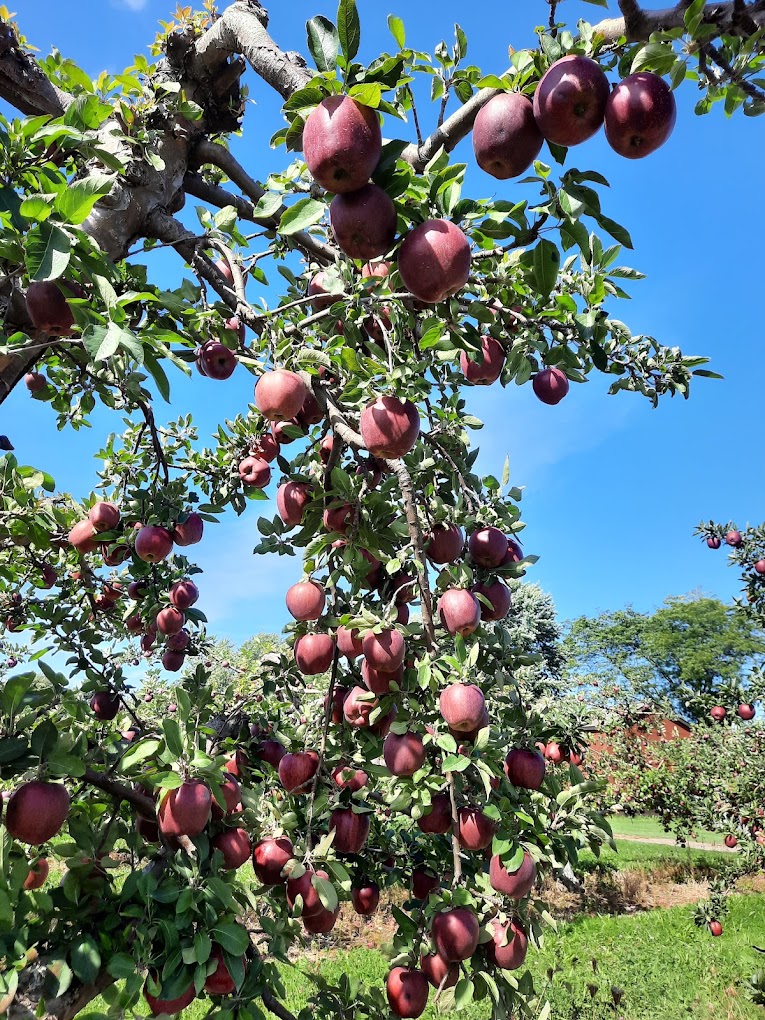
{"points": [[668, 968], [648, 856], [649, 827]]}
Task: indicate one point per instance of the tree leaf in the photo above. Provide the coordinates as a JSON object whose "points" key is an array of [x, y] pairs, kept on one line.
{"points": [[48, 250], [231, 937], [301, 215], [546, 265], [76, 203], [323, 42], [397, 30], [85, 959], [349, 28]]}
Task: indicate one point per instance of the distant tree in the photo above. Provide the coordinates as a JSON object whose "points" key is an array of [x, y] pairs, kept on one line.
{"points": [[534, 634], [692, 653]]}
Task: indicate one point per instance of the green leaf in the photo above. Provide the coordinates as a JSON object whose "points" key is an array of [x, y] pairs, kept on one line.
{"points": [[231, 937], [44, 739], [76, 203], [546, 265], [349, 28], [326, 891], [139, 752], [301, 215], [463, 993], [268, 205], [396, 26], [86, 959], [368, 93], [323, 42], [618, 232], [48, 250], [173, 737], [158, 374], [693, 15], [37, 207], [121, 966]]}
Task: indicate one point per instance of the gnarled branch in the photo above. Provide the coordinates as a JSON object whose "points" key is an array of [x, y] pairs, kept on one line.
{"points": [[637, 24]]}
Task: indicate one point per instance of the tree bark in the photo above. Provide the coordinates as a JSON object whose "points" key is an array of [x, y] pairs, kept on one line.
{"points": [[637, 24]]}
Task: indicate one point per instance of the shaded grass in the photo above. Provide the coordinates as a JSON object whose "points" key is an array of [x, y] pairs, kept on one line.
{"points": [[650, 856]]}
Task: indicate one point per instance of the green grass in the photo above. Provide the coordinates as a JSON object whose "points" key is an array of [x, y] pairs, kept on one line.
{"points": [[649, 827], [668, 968], [649, 856]]}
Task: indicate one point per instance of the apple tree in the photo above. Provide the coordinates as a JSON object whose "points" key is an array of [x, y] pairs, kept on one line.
{"points": [[176, 855]]}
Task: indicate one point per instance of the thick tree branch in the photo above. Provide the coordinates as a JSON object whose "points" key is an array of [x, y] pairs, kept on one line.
{"points": [[30, 993], [121, 791], [274, 1006], [26, 87], [452, 131], [637, 24]]}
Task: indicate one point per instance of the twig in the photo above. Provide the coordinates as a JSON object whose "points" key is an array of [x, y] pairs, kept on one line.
{"points": [[455, 829], [328, 708]]}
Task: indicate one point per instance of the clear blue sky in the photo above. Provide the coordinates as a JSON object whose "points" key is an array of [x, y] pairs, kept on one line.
{"points": [[613, 487]]}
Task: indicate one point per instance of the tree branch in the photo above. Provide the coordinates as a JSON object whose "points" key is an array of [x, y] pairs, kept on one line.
{"points": [[274, 1006], [122, 792], [637, 25], [25, 86], [452, 131]]}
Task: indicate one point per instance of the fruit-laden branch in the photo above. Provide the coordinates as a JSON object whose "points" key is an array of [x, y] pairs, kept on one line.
{"points": [[452, 131], [637, 24], [119, 790]]}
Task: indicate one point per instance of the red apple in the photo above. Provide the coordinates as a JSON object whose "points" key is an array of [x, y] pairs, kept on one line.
{"points": [[104, 516], [487, 367], [507, 949], [169, 1007], [714, 542], [269, 859], [235, 846], [358, 706], [389, 427], [434, 261], [715, 928], [731, 841], [342, 143], [570, 100], [314, 653], [459, 611], [525, 768], [153, 544], [437, 970], [745, 712], [462, 706], [351, 830], [305, 600], [279, 395], [718, 713], [183, 594], [380, 682], [439, 819], [384, 651], [254, 472], [363, 222], [498, 595], [48, 308], [365, 898], [305, 888], [36, 811], [232, 796], [487, 547], [349, 778], [550, 385], [297, 769], [476, 830], [424, 883], [506, 139], [515, 884], [640, 115], [185, 811], [291, 500], [339, 518], [444, 544], [404, 753], [455, 934], [348, 643], [269, 751], [105, 705], [322, 922], [734, 538], [220, 982], [407, 991], [82, 537], [216, 361], [38, 873]]}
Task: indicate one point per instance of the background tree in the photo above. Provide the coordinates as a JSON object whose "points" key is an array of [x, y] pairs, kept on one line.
{"points": [[361, 363], [691, 654]]}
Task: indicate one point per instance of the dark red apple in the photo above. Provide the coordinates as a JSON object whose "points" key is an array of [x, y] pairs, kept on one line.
{"points": [[338, 700], [153, 544], [424, 883], [498, 595], [507, 949], [570, 100], [434, 261], [363, 222], [305, 888], [189, 531], [220, 982], [714, 542], [314, 653], [455, 934], [317, 289], [640, 115], [269, 751], [734, 538], [718, 713], [554, 752], [487, 367], [235, 846], [105, 705], [297, 769], [322, 922], [342, 143], [487, 547], [232, 796], [444, 544], [476, 830], [216, 361], [183, 594], [351, 830], [254, 472], [731, 841], [404, 753], [349, 778], [745, 712], [506, 138], [384, 651], [462, 706], [550, 385], [82, 537], [514, 553], [348, 643], [459, 611], [169, 1007], [358, 706], [525, 768], [437, 970], [36, 811], [38, 873], [389, 427], [339, 518], [515, 884], [439, 819], [269, 859], [48, 309], [380, 682], [407, 990], [104, 516], [185, 811], [365, 898], [279, 395]]}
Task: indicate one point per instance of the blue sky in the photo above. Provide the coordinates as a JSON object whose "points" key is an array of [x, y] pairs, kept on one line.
{"points": [[613, 488]]}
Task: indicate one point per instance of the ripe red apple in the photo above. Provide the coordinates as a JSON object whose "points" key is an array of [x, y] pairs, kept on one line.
{"points": [[760, 566], [305, 600], [254, 472], [487, 547], [550, 385], [314, 653], [48, 309], [317, 289], [216, 361], [189, 531], [225, 270], [507, 949], [715, 928], [220, 981], [525, 768], [232, 796], [170, 620], [514, 553], [487, 367], [506, 138], [384, 723], [291, 500], [554, 752], [404, 753], [349, 778], [348, 643], [365, 898], [105, 705], [338, 700], [462, 706], [640, 115], [714, 542], [379, 682], [444, 544], [437, 970], [515, 884], [183, 594], [384, 651], [424, 883], [104, 516], [734, 538], [407, 990], [570, 100], [745, 712], [137, 589], [731, 841], [322, 922], [235, 846], [455, 934], [718, 713], [269, 751], [339, 518], [351, 830], [389, 427], [153, 544], [434, 261], [38, 873], [498, 595], [304, 888], [185, 811], [269, 859], [279, 395], [358, 706], [265, 447], [36, 811], [297, 769], [364, 222], [169, 1007], [173, 660], [476, 830], [459, 611], [439, 819], [342, 143], [82, 537]]}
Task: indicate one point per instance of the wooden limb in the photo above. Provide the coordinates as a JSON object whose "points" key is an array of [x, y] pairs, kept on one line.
{"points": [[23, 84], [120, 791], [27, 1004], [455, 829], [637, 24], [274, 1006]]}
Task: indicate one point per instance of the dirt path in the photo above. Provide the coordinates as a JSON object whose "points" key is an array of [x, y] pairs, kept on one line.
{"points": [[690, 844]]}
